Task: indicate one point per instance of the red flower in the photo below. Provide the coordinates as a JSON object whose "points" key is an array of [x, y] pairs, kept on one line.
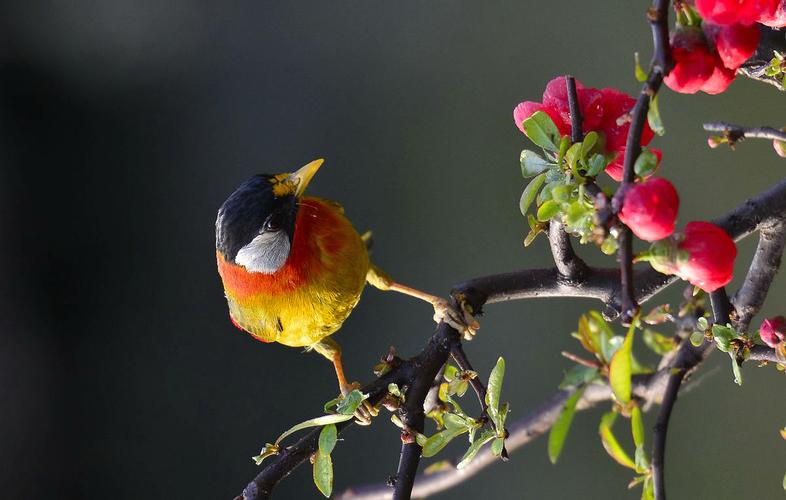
{"points": [[773, 331], [720, 80], [727, 12], [603, 110], [778, 17], [693, 61], [528, 108], [711, 251], [650, 209], [734, 43], [556, 97]]}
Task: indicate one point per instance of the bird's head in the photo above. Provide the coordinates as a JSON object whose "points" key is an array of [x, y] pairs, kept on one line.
{"points": [[256, 224]]}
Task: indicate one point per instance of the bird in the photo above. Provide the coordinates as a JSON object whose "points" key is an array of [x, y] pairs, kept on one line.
{"points": [[293, 268]]}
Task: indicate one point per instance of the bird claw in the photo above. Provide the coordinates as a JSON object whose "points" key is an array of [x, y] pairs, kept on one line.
{"points": [[463, 321], [366, 411]]}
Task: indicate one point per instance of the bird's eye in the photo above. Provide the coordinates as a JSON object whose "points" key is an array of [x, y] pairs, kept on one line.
{"points": [[273, 222]]}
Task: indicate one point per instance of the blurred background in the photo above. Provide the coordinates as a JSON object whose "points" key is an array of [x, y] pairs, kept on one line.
{"points": [[126, 124]]}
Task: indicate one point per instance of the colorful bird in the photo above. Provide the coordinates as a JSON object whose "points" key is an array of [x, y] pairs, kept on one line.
{"points": [[293, 267]]}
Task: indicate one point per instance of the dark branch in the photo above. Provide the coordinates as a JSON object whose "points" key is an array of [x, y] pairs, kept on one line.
{"points": [[411, 412], [601, 284], [576, 133], [687, 358], [750, 297], [771, 40], [658, 16], [457, 352]]}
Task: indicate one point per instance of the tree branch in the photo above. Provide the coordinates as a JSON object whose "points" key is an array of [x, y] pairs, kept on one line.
{"points": [[601, 284], [735, 133], [766, 262], [771, 40], [658, 16], [688, 358]]}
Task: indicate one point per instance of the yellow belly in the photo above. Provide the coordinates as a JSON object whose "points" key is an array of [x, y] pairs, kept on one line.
{"points": [[316, 289]]}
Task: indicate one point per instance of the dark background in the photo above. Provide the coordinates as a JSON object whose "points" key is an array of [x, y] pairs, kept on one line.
{"points": [[124, 127]]}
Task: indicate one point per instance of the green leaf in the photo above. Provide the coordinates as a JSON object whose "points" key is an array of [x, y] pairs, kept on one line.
{"points": [[330, 404], [696, 338], [495, 388], [559, 431], [641, 75], [350, 402], [533, 164], [268, 451], [784, 481], [541, 130], [578, 375], [474, 448], [548, 210], [658, 343], [453, 421], [497, 446], [653, 117], [596, 163], [435, 443], [314, 422], [327, 439], [323, 473], [646, 163], [657, 315], [610, 442], [723, 335], [620, 369], [530, 192], [641, 460], [735, 368], [637, 426], [648, 492], [588, 143]]}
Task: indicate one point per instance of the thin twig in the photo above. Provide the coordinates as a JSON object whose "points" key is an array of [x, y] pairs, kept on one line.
{"points": [[460, 357], [735, 133], [658, 16]]}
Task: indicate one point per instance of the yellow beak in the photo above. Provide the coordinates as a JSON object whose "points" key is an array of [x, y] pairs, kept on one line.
{"points": [[300, 179]]}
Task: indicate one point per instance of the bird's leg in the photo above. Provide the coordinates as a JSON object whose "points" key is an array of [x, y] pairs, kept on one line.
{"points": [[330, 349], [463, 320]]}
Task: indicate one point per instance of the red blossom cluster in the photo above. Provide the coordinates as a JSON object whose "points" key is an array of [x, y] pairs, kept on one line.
{"points": [[606, 111], [708, 53]]}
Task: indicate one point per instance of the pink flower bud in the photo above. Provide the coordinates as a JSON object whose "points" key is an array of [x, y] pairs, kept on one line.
{"points": [[773, 331], [711, 256], [703, 255], [780, 146], [693, 61], [650, 209]]}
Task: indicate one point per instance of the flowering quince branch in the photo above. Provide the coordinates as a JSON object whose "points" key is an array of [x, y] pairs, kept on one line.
{"points": [[658, 17], [732, 134], [584, 131]]}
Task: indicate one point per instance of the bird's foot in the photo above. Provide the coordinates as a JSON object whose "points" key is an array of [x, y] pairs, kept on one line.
{"points": [[366, 411], [462, 320]]}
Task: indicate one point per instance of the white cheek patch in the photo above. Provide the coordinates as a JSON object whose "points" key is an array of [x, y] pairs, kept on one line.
{"points": [[266, 253]]}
